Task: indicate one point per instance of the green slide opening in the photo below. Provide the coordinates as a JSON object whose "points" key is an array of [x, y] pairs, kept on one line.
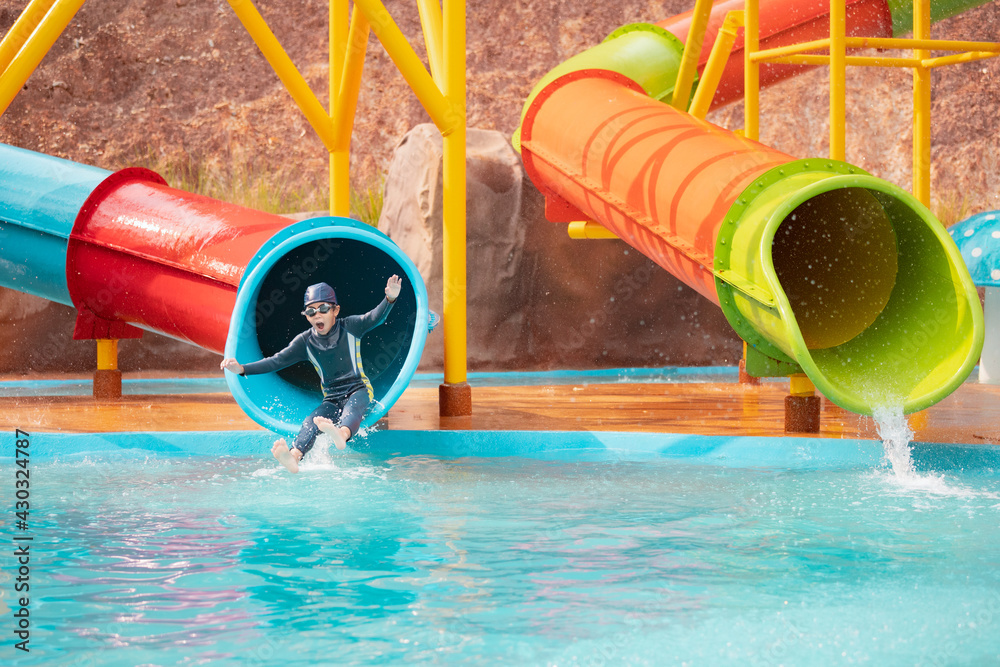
{"points": [[870, 296]]}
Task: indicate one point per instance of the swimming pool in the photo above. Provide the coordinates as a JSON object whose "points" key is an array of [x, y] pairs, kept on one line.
{"points": [[620, 549]]}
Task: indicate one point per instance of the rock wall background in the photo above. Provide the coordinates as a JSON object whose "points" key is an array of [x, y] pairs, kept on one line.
{"points": [[182, 79]]}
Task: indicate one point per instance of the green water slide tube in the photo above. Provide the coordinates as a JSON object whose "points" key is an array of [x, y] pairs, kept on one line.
{"points": [[859, 286]]}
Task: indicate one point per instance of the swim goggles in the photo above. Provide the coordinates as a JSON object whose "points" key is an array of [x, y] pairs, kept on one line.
{"points": [[324, 308]]}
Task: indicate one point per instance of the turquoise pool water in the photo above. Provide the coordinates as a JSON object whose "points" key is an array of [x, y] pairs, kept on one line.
{"points": [[597, 549]]}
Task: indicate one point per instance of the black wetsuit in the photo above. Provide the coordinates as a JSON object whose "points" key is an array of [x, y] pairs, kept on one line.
{"points": [[336, 356]]}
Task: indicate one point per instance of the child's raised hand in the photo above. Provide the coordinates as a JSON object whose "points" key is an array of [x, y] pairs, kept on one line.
{"points": [[392, 287], [232, 366]]}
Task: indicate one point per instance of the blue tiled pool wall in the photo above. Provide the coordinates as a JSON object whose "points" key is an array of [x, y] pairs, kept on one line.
{"points": [[804, 453]]}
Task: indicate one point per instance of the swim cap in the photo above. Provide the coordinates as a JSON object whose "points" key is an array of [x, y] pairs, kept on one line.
{"points": [[320, 292]]}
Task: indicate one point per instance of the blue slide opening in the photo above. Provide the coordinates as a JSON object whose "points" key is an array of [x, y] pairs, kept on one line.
{"points": [[356, 259]]}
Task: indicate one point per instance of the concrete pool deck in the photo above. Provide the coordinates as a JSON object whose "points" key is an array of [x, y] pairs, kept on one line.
{"points": [[971, 415]]}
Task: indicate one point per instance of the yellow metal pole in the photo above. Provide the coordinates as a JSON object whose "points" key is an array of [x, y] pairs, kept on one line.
{"points": [[800, 385], [340, 160], [922, 106], [350, 81], [692, 51], [34, 49], [751, 71], [588, 229], [859, 61], [716, 64], [410, 66], [107, 377], [430, 20], [941, 61], [285, 69], [347, 99], [929, 44], [107, 354], [22, 29], [455, 394], [791, 49], [838, 78]]}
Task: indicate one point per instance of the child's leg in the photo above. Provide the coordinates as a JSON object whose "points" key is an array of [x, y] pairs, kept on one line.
{"points": [[307, 434], [350, 419], [287, 457]]}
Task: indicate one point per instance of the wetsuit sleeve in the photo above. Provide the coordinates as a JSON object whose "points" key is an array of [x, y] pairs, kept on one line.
{"points": [[359, 325], [295, 352]]}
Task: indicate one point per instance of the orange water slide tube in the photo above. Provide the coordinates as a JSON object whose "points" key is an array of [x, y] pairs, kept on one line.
{"points": [[782, 22], [661, 179]]}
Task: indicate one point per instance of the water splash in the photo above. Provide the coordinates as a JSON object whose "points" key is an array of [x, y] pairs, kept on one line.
{"points": [[895, 432]]}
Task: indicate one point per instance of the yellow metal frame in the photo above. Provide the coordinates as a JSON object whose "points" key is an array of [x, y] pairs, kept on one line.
{"points": [[29, 40], [442, 92], [837, 59], [717, 60], [692, 50]]}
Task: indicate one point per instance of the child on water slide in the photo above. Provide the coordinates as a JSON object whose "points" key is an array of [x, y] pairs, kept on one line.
{"points": [[331, 345]]}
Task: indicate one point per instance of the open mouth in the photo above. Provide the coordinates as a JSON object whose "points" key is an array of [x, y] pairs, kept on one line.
{"points": [[320, 326]]}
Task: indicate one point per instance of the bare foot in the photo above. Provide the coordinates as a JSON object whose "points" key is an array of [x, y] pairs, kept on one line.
{"points": [[335, 432], [286, 457]]}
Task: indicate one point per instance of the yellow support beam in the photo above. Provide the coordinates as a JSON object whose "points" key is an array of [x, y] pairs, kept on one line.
{"points": [[107, 354], [22, 29], [350, 82], [859, 61], [340, 161], [587, 229], [780, 54], [430, 21], [790, 49], [751, 70], [454, 231], [838, 79], [409, 65], [717, 60], [887, 61], [941, 61], [692, 51], [926, 44], [283, 66], [799, 384], [922, 106], [34, 49]]}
